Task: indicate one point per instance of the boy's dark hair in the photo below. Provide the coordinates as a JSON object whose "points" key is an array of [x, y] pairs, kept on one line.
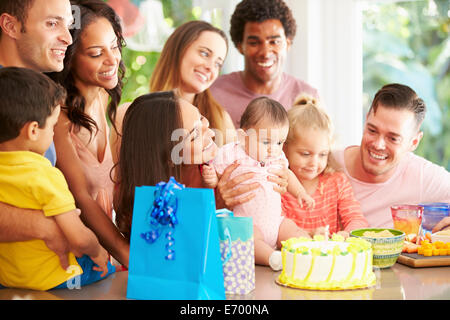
{"points": [[261, 108], [25, 95], [259, 11], [399, 96], [16, 8]]}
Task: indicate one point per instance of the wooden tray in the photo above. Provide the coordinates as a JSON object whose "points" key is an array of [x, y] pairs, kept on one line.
{"points": [[418, 261]]}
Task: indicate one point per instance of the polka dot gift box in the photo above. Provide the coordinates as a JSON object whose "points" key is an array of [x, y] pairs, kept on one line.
{"points": [[237, 252]]}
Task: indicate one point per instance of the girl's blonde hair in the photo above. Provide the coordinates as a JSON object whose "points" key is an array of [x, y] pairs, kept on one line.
{"points": [[307, 113]]}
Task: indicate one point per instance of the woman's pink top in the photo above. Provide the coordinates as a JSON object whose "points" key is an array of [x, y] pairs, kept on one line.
{"points": [[335, 206], [97, 173]]}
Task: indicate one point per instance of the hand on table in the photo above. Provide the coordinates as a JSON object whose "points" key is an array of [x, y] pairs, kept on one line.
{"points": [[101, 261], [444, 224]]}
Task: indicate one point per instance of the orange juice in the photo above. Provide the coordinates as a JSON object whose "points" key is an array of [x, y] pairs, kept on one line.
{"points": [[407, 218], [408, 226]]}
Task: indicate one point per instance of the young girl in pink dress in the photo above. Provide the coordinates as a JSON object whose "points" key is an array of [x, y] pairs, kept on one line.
{"points": [[308, 151], [264, 128]]}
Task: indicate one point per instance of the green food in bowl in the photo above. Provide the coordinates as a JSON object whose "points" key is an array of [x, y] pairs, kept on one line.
{"points": [[385, 249]]}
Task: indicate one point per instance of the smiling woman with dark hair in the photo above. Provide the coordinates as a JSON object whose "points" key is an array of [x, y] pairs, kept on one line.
{"points": [[92, 76], [147, 154]]}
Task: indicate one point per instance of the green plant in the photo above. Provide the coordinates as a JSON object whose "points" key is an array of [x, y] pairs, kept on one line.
{"points": [[408, 42], [140, 64]]}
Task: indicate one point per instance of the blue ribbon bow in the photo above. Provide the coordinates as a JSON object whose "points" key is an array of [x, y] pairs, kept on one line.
{"points": [[163, 215]]}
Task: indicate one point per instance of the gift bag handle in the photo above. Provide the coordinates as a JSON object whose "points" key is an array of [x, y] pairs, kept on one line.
{"points": [[226, 232], [228, 235], [224, 211]]}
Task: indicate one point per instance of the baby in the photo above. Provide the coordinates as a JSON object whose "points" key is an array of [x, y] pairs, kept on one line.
{"points": [[264, 128], [29, 109]]}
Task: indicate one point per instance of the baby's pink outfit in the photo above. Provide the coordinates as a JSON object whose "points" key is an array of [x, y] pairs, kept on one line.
{"points": [[96, 173], [265, 207]]}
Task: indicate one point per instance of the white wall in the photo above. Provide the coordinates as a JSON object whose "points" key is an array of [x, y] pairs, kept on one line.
{"points": [[234, 60], [327, 53]]}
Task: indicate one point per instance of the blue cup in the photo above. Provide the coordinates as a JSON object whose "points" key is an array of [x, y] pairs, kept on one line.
{"points": [[433, 212]]}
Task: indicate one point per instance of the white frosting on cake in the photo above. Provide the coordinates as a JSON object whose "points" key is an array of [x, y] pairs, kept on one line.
{"points": [[327, 265]]}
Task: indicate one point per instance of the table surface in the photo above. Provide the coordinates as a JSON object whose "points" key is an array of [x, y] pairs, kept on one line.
{"points": [[399, 282]]}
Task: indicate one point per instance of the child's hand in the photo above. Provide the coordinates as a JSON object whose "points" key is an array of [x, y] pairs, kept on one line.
{"points": [[303, 233], [309, 201], [279, 176], [344, 234], [209, 176], [102, 261], [322, 231]]}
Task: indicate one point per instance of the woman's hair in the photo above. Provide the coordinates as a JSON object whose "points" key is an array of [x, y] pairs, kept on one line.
{"points": [[166, 75], [263, 108], [145, 151], [307, 113], [90, 11]]}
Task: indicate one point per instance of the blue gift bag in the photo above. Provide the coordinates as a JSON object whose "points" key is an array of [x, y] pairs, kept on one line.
{"points": [[194, 270]]}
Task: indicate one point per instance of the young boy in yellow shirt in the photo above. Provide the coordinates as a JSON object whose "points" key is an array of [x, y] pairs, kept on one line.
{"points": [[29, 109]]}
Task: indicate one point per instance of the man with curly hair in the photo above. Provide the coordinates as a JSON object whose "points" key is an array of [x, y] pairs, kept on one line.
{"points": [[262, 31]]}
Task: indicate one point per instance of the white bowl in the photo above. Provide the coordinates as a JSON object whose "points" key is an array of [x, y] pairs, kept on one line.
{"points": [[438, 236]]}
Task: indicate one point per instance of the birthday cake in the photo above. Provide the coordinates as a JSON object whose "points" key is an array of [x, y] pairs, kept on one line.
{"points": [[327, 265]]}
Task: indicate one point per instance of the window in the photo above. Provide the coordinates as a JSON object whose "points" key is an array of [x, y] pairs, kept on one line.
{"points": [[348, 49], [408, 42]]}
